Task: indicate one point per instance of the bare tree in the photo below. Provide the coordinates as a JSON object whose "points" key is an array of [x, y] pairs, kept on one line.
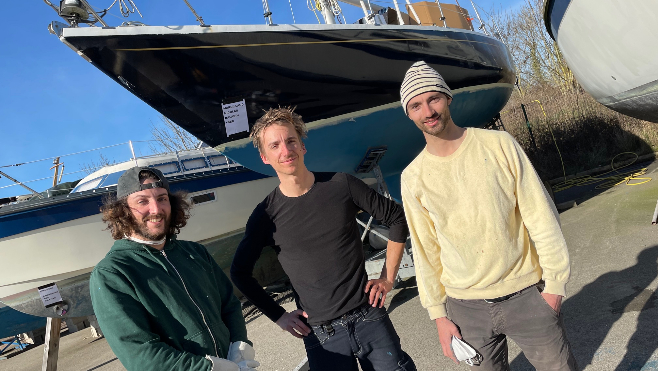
{"points": [[169, 137], [537, 57], [166, 137], [92, 165]]}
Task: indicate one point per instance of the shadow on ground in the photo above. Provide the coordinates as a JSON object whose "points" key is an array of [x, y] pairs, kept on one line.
{"points": [[408, 291], [590, 314], [103, 364]]}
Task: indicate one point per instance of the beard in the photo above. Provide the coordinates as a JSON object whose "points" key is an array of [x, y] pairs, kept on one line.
{"points": [[141, 228], [440, 125]]}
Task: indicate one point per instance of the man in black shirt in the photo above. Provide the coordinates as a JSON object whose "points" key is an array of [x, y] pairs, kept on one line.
{"points": [[310, 219]]}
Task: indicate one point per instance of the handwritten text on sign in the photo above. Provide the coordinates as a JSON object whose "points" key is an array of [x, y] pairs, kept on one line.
{"points": [[49, 295], [235, 117]]}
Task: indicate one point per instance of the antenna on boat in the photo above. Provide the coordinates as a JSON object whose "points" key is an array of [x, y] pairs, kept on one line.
{"points": [[56, 165]]}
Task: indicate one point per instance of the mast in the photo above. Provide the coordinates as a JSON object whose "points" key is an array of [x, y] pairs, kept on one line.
{"points": [[327, 13]]}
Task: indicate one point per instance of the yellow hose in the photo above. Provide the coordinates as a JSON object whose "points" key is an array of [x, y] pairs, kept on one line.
{"points": [[629, 177]]}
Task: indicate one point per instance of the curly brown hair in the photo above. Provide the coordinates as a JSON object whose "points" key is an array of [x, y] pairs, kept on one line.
{"points": [[121, 222], [273, 116]]}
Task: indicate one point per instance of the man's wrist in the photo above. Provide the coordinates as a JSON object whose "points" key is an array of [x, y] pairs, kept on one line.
{"points": [[555, 288], [385, 278], [437, 311]]}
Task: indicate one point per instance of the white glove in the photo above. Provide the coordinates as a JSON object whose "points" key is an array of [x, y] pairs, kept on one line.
{"points": [[221, 364], [464, 352], [243, 354]]}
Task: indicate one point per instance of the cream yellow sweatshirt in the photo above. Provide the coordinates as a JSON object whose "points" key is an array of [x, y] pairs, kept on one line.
{"points": [[482, 224]]}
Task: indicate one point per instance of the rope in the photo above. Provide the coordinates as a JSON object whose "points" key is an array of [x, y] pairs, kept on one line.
{"points": [[630, 178], [126, 7], [40, 179], [312, 5], [70, 154], [293, 13], [77, 153], [553, 136], [338, 12]]}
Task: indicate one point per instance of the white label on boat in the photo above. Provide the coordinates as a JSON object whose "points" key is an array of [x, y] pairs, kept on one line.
{"points": [[235, 117], [49, 295]]}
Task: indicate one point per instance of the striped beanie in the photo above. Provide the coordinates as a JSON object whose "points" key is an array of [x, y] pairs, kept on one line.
{"points": [[421, 78]]}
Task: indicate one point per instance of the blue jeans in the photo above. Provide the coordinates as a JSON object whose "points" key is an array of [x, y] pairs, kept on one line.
{"points": [[366, 334]]}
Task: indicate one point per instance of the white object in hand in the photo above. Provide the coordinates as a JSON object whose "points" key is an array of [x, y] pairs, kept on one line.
{"points": [[221, 364], [465, 352], [243, 354]]}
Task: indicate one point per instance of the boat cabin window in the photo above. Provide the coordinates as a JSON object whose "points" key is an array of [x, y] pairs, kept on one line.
{"points": [[112, 179], [194, 163], [91, 184], [168, 167], [218, 160]]}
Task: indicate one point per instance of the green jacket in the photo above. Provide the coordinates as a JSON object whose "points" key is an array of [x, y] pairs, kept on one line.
{"points": [[157, 309]]}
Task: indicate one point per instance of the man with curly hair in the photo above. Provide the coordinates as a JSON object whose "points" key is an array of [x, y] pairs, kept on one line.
{"points": [[163, 303], [310, 220]]}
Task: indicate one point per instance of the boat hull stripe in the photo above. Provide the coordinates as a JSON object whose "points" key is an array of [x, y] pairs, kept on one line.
{"points": [[56, 212], [443, 39]]}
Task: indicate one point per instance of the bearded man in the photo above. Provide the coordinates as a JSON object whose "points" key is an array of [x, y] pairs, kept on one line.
{"points": [[162, 303], [491, 261]]}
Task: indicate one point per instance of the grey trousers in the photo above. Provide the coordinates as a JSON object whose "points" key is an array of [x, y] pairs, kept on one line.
{"points": [[526, 318]]}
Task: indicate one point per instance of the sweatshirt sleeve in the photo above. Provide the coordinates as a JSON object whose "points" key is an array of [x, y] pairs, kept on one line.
{"points": [[427, 255], [542, 221], [381, 208], [258, 235], [130, 337]]}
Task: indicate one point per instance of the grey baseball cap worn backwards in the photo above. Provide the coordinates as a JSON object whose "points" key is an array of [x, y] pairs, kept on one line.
{"points": [[129, 182]]}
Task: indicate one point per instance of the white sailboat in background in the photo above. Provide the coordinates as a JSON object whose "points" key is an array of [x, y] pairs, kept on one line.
{"points": [[60, 237], [611, 46]]}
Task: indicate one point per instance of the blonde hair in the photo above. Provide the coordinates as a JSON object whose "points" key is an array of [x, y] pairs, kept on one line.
{"points": [[277, 116]]}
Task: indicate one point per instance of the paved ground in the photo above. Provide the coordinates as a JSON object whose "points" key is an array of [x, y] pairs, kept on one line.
{"points": [[610, 314]]}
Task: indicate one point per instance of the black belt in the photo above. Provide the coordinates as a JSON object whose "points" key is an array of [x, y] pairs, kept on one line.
{"points": [[326, 325], [503, 298]]}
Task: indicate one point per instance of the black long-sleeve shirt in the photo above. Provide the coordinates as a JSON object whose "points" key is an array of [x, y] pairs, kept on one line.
{"points": [[318, 244]]}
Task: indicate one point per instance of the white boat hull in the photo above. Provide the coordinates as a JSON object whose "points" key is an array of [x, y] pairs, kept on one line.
{"points": [[612, 48]]}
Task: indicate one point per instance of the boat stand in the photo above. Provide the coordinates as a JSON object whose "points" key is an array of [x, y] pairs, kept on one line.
{"points": [[15, 342], [51, 346], [375, 263], [495, 124]]}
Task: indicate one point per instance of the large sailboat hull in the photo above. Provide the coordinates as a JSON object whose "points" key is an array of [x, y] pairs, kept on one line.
{"points": [[343, 79], [611, 46]]}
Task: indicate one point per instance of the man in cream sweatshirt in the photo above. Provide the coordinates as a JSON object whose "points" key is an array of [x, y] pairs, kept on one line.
{"points": [[491, 260]]}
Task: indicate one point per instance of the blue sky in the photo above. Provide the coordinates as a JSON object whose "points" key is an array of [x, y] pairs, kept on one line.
{"points": [[52, 102]]}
